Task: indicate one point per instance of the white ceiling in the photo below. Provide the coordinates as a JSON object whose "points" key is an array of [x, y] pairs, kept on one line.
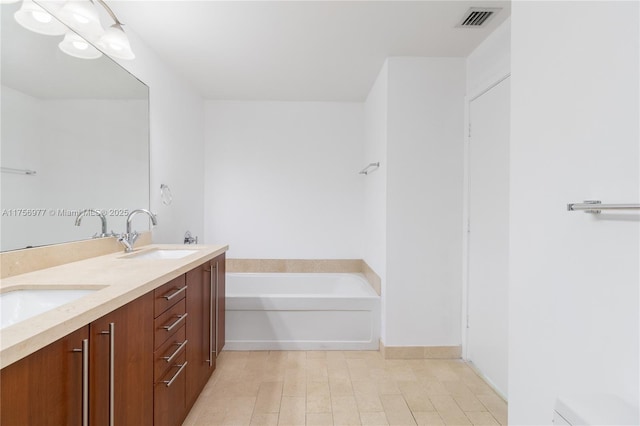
{"points": [[298, 50]]}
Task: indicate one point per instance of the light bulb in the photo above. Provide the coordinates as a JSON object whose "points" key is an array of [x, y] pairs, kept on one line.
{"points": [[76, 46], [114, 42], [81, 19], [80, 45], [35, 18], [41, 16], [81, 15]]}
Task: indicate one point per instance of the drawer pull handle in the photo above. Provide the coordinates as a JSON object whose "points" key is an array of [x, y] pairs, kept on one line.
{"points": [[170, 382], [172, 326], [175, 293], [173, 355]]}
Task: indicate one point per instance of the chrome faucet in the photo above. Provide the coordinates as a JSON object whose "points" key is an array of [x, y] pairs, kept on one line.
{"points": [[128, 239], [103, 219]]}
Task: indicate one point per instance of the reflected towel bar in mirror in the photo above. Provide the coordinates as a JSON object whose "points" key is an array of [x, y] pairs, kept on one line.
{"points": [[18, 171]]}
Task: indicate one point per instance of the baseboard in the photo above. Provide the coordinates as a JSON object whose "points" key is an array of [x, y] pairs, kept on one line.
{"points": [[420, 352]]}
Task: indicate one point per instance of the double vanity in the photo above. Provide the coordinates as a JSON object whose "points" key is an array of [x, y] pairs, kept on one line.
{"points": [[123, 338]]}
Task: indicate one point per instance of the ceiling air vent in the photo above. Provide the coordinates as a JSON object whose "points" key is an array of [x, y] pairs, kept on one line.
{"points": [[476, 17]]}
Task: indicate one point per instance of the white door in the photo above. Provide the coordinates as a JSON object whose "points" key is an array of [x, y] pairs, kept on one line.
{"points": [[487, 304]]}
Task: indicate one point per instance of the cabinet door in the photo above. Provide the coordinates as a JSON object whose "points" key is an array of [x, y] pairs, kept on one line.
{"points": [[199, 330], [121, 374], [45, 388], [219, 263]]}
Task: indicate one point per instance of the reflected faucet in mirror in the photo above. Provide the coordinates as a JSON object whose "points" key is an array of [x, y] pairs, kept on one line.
{"points": [[92, 212], [128, 239]]}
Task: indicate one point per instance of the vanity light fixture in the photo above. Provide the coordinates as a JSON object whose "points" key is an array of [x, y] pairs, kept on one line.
{"points": [[78, 47], [35, 18], [81, 16], [115, 43]]}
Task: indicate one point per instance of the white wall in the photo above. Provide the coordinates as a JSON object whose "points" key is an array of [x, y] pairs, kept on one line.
{"points": [[282, 179], [375, 183], [490, 61], [574, 277], [424, 201], [488, 64], [176, 145]]}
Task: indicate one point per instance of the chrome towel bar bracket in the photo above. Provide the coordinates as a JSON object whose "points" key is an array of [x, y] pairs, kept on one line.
{"points": [[596, 206]]}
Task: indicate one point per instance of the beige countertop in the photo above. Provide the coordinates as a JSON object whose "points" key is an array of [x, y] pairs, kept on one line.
{"points": [[119, 280]]}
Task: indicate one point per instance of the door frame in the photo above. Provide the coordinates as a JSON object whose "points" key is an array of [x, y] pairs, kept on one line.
{"points": [[465, 208]]}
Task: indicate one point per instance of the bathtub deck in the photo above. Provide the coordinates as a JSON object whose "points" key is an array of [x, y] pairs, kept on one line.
{"points": [[343, 388]]}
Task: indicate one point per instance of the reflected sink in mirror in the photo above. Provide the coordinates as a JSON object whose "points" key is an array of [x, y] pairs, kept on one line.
{"points": [[18, 305], [161, 254]]}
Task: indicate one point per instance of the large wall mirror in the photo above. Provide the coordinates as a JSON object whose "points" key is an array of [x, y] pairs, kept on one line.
{"points": [[81, 125]]}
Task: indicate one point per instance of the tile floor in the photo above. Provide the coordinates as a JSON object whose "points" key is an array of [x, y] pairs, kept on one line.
{"points": [[343, 388]]}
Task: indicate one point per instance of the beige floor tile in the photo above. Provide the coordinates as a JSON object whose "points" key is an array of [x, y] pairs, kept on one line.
{"points": [[292, 411], [346, 418], [319, 419], [388, 387], [343, 388], [365, 386], [340, 386], [268, 419], [269, 397], [457, 388], [449, 410], [428, 418], [397, 410], [206, 418], [373, 418], [482, 418], [416, 396], [318, 397], [496, 406], [469, 403], [239, 412], [343, 403], [368, 401], [318, 404], [295, 386]]}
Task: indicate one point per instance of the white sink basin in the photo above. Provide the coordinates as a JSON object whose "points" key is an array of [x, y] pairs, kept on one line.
{"points": [[161, 254], [18, 305]]}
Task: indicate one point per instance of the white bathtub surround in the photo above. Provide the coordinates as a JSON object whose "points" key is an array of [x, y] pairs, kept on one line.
{"points": [[307, 266], [301, 311]]}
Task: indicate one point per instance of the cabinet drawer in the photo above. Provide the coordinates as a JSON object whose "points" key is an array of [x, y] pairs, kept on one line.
{"points": [[169, 322], [168, 295], [169, 394], [167, 354]]}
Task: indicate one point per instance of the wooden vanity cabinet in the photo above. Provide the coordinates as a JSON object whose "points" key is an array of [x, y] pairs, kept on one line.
{"points": [[45, 388], [121, 367], [145, 363], [199, 330], [221, 296], [171, 343], [205, 325]]}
